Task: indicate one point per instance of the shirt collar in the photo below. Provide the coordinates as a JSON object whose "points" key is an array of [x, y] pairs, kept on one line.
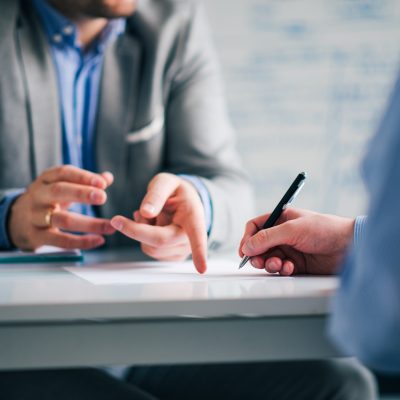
{"points": [[62, 32]]}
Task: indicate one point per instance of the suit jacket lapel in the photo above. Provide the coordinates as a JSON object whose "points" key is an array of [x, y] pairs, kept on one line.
{"points": [[43, 102], [117, 111]]}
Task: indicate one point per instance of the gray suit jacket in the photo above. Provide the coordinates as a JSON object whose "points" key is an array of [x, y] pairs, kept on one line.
{"points": [[161, 108]]}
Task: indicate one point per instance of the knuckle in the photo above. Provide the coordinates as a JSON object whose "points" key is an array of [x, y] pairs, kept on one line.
{"points": [[163, 176], [161, 241], [105, 226], [66, 220], [290, 227], [262, 237], [56, 189], [249, 225], [150, 251], [146, 249], [63, 171], [50, 170], [68, 242], [81, 194], [89, 242], [160, 178]]}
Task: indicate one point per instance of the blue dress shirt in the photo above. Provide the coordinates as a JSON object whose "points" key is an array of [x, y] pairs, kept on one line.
{"points": [[366, 310], [78, 76]]}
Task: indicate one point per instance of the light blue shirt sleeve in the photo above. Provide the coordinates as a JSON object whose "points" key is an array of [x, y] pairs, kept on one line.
{"points": [[366, 310], [359, 229], [5, 205], [204, 196]]}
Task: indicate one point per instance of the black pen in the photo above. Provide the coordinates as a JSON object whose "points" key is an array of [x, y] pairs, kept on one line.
{"points": [[289, 196]]}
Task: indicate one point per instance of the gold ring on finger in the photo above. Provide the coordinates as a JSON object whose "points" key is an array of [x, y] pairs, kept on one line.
{"points": [[47, 217]]}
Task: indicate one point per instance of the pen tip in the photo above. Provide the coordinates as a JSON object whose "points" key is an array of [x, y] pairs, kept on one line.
{"points": [[243, 262]]}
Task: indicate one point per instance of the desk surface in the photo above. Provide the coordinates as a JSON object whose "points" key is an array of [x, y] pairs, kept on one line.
{"points": [[52, 318], [33, 292]]}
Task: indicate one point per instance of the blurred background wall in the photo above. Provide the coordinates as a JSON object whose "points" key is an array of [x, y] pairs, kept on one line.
{"points": [[306, 82]]}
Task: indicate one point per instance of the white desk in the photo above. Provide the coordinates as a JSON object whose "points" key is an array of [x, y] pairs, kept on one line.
{"points": [[51, 318]]}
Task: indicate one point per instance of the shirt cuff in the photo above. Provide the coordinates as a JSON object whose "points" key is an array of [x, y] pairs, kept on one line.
{"points": [[359, 228], [5, 205], [204, 196]]}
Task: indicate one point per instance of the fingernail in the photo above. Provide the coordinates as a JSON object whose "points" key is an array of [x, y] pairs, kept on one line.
{"points": [[148, 207], [248, 246], [109, 175], [117, 224], [271, 265]]}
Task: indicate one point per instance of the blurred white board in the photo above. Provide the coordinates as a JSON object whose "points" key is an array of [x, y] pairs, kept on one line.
{"points": [[306, 82]]}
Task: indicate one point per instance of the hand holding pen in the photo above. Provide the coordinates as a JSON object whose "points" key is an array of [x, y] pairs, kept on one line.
{"points": [[288, 197], [299, 242]]}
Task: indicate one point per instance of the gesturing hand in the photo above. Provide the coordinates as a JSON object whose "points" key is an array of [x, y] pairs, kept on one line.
{"points": [[40, 216], [302, 242], [170, 224]]}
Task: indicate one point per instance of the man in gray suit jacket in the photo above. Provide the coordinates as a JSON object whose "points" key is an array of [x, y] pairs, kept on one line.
{"points": [[134, 90], [159, 108]]}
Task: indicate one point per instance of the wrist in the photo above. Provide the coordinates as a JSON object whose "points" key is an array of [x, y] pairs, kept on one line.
{"points": [[15, 226]]}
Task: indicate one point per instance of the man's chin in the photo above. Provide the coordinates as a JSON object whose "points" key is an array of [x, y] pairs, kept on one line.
{"points": [[112, 9], [108, 9]]}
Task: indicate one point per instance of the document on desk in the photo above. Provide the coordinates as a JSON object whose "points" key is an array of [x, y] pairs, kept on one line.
{"points": [[161, 272]]}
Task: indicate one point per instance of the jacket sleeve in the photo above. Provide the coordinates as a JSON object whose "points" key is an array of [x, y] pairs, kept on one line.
{"points": [[366, 318], [200, 137], [7, 198]]}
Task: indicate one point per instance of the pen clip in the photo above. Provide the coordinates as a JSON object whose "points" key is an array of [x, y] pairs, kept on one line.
{"points": [[294, 195]]}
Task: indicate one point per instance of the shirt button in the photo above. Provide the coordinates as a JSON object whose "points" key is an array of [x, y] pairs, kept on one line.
{"points": [[68, 30], [57, 38]]}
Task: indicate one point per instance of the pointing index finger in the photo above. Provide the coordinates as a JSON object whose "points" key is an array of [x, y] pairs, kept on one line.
{"points": [[195, 227]]}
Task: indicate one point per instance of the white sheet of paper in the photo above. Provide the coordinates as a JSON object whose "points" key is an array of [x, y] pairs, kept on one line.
{"points": [[161, 272]]}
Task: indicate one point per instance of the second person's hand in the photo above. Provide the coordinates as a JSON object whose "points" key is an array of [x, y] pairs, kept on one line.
{"points": [[302, 242]]}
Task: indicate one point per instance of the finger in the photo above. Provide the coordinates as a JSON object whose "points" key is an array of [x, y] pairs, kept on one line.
{"points": [[266, 239], [257, 262], [161, 187], [273, 264], [137, 217], [69, 173], [81, 223], [108, 177], [174, 253], [70, 241], [252, 227], [288, 268], [42, 217], [195, 229], [157, 236], [65, 192]]}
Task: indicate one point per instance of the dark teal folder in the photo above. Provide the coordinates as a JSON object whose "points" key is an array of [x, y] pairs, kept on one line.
{"points": [[15, 257]]}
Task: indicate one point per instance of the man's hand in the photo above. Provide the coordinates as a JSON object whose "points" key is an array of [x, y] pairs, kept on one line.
{"points": [[40, 216], [170, 224], [302, 242]]}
